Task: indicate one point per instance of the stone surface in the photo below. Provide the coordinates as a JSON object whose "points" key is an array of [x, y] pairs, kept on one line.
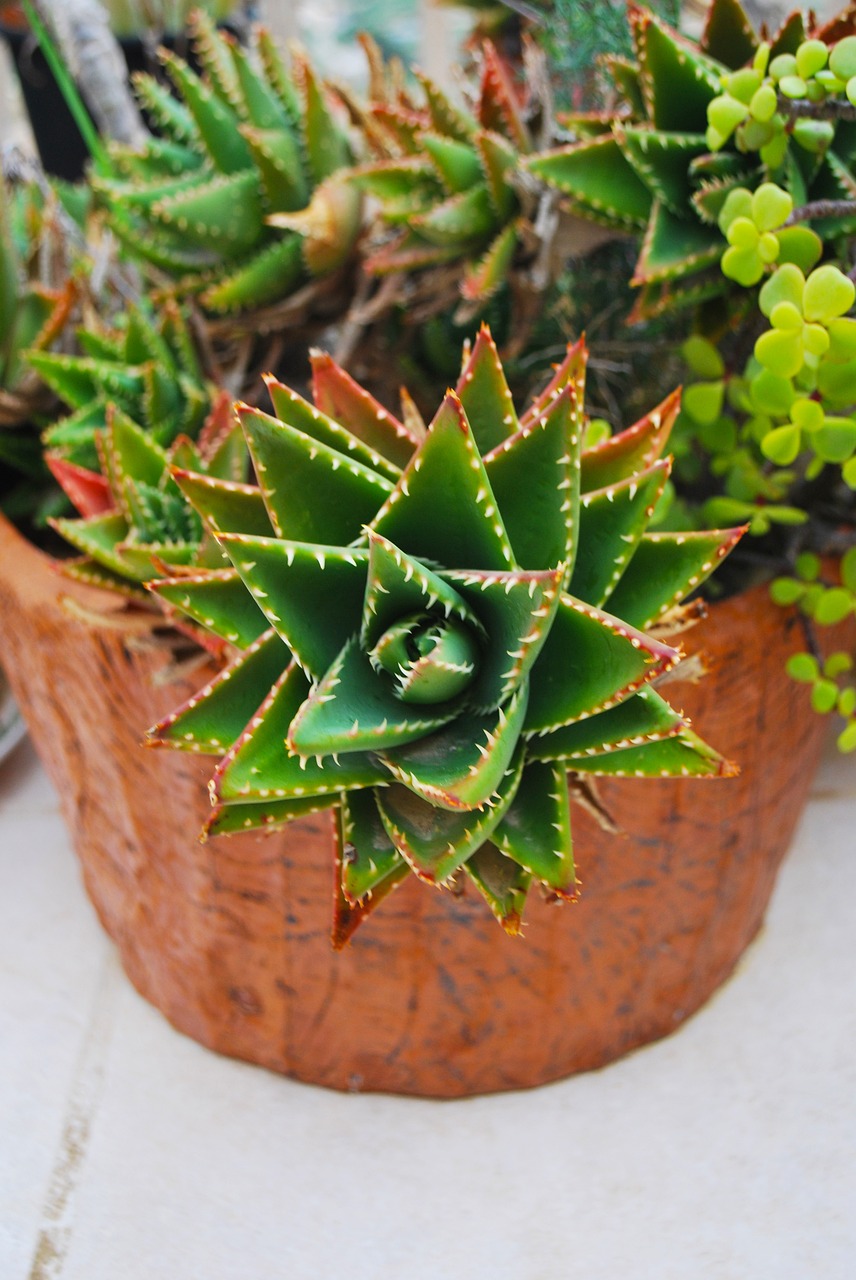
{"points": [[722, 1152]]}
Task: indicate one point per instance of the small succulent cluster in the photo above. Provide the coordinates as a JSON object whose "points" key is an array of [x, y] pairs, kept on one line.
{"points": [[135, 523], [239, 199], [776, 99], [444, 176], [683, 137], [436, 627], [148, 368], [827, 604], [37, 301]]}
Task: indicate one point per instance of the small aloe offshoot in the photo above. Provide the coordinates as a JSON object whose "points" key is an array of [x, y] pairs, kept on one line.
{"points": [[447, 180], [134, 522], [438, 628], [240, 200], [149, 369]]}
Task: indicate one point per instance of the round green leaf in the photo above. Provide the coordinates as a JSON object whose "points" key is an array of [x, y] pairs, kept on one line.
{"points": [[771, 206], [848, 569], [833, 606], [782, 444], [811, 57], [800, 246], [835, 441], [842, 59], [828, 293], [785, 591], [786, 284], [802, 667], [780, 351], [824, 696], [702, 357]]}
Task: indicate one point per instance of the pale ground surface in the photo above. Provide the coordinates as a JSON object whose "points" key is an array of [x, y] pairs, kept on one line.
{"points": [[129, 1153]]}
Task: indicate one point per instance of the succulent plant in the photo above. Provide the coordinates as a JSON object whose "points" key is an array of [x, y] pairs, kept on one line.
{"points": [[135, 522], [37, 300], [133, 17], [436, 628], [240, 198], [148, 368], [447, 180], [658, 163]]}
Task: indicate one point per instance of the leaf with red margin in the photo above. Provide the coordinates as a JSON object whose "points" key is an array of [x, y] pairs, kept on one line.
{"points": [[336, 431], [536, 829], [212, 720], [542, 517], [728, 35], [313, 493], [462, 765], [631, 450], [665, 568], [260, 766], [217, 600], [235, 819], [516, 611], [498, 158], [674, 247], [370, 857], [355, 708], [502, 883], [483, 391], [684, 755], [643, 717], [227, 505], [443, 509], [398, 585], [482, 280], [598, 179], [499, 105], [678, 80], [311, 594], [337, 394], [612, 521], [347, 916], [571, 371], [589, 662], [435, 842]]}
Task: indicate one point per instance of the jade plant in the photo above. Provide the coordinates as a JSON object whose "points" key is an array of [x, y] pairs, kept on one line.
{"points": [[238, 199], [438, 629], [691, 123]]}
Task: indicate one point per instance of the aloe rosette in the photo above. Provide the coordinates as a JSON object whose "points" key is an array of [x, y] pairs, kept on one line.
{"points": [[239, 199], [437, 628], [447, 179], [147, 367], [133, 521], [663, 160]]}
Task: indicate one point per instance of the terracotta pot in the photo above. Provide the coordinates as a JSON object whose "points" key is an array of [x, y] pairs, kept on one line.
{"points": [[231, 939]]}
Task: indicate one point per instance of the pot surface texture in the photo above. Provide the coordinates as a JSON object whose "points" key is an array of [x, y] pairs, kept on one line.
{"points": [[231, 939]]}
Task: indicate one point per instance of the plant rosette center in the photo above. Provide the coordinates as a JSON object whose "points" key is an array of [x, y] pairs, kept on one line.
{"points": [[431, 659]]}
